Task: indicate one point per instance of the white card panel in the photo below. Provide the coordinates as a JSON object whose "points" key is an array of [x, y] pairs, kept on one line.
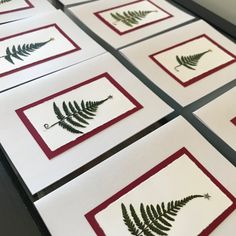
{"points": [[40, 45], [156, 16], [64, 209], [220, 116], [210, 55], [29, 157]]}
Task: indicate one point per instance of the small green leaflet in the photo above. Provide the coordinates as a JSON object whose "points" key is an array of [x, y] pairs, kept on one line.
{"points": [[73, 117], [130, 18], [154, 220], [4, 1], [22, 51], [190, 61]]}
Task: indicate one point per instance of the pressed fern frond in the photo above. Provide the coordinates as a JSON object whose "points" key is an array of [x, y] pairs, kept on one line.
{"points": [[4, 1], [130, 18], [22, 51], [153, 220], [75, 115], [190, 61]]}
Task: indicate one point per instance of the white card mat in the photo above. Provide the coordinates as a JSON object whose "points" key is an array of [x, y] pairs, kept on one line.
{"points": [[65, 210], [162, 15], [156, 58], [66, 45], [70, 2], [27, 156], [218, 115], [18, 9]]}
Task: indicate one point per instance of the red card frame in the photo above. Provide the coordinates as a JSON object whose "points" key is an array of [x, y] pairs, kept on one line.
{"points": [[76, 48], [90, 216], [30, 5], [199, 77], [50, 153], [98, 14]]}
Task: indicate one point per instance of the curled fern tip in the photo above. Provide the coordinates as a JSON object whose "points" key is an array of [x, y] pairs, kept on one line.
{"points": [[46, 126]]}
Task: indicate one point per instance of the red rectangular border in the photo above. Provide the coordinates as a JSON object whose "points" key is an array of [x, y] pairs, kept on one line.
{"points": [[49, 153], [30, 5], [90, 216], [97, 14], [197, 78], [76, 48], [234, 121]]}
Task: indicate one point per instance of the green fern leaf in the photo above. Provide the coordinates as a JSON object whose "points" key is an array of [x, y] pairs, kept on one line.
{"points": [[155, 221], [158, 227], [137, 221], [4, 1], [128, 222], [66, 109], [130, 18], [68, 127], [146, 220], [74, 115], [22, 51], [58, 113], [190, 61]]}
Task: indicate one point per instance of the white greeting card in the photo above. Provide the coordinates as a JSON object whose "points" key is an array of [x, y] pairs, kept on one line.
{"points": [[220, 116], [164, 184], [123, 22], [72, 117], [188, 62], [11, 10], [40, 45], [70, 2]]}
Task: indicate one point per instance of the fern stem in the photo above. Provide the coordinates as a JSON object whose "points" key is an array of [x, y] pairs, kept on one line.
{"points": [[47, 126], [177, 67]]}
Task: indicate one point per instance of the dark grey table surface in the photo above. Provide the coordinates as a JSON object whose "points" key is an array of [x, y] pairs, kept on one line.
{"points": [[18, 215]]}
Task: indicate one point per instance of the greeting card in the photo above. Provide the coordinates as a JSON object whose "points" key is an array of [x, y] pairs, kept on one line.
{"points": [[38, 46], [187, 63], [71, 118], [132, 16], [193, 60], [220, 116], [70, 2], [164, 184], [164, 202], [11, 10], [123, 22], [67, 118]]}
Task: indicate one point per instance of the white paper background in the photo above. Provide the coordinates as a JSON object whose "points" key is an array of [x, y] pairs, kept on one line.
{"points": [[40, 7], [139, 55], [217, 115], [89, 48], [170, 184], [96, 91], [30, 161], [85, 13], [63, 210]]}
